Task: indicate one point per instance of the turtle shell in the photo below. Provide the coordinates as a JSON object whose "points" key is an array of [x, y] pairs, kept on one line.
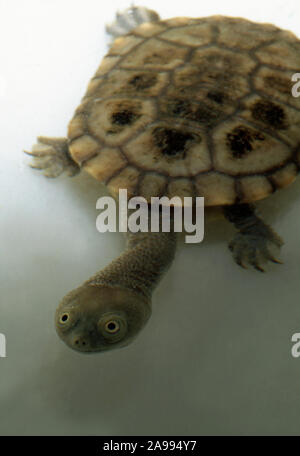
{"points": [[193, 107]]}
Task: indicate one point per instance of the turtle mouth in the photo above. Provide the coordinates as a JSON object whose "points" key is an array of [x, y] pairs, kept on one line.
{"points": [[88, 343]]}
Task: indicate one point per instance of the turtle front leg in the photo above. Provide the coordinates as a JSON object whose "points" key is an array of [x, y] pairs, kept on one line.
{"points": [[253, 241], [52, 156], [109, 310]]}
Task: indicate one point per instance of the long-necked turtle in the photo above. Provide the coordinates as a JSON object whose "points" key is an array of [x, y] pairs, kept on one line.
{"points": [[188, 107]]}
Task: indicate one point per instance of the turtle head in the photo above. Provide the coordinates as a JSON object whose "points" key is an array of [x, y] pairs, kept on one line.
{"points": [[97, 318]]}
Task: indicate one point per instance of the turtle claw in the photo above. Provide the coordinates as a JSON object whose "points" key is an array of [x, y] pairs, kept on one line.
{"points": [[252, 246], [50, 168], [275, 260], [270, 257], [129, 19], [51, 155]]}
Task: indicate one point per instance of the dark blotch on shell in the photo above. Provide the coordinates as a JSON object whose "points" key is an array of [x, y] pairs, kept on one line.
{"points": [[240, 140], [143, 81], [206, 115], [180, 108], [269, 113], [200, 112], [216, 96], [172, 142], [282, 85], [124, 117]]}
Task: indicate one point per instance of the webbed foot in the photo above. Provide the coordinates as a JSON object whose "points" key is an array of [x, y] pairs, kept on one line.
{"points": [[253, 246], [52, 156], [254, 242]]}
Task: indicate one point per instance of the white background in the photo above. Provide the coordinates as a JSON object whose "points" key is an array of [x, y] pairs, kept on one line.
{"points": [[215, 357]]}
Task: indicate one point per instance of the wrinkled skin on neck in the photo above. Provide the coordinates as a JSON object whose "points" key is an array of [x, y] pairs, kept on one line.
{"points": [[109, 310]]}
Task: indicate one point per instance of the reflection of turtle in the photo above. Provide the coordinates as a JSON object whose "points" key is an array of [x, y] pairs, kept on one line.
{"points": [[186, 107]]}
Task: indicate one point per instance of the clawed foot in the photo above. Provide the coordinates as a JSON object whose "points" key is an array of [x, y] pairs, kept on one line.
{"points": [[51, 155], [129, 19], [252, 246]]}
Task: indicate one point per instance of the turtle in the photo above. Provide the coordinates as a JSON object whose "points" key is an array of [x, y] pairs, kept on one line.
{"points": [[178, 107]]}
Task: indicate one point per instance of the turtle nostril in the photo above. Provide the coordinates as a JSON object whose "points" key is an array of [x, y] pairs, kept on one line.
{"points": [[79, 342]]}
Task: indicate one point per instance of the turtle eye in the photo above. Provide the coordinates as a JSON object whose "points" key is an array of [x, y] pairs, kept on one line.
{"points": [[64, 318], [112, 326]]}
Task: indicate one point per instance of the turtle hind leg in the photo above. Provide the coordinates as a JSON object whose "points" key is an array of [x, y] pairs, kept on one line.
{"points": [[253, 242], [129, 19], [52, 156]]}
